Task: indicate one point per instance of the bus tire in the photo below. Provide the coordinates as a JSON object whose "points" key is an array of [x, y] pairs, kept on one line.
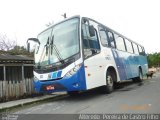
{"points": [[140, 77], [109, 82]]}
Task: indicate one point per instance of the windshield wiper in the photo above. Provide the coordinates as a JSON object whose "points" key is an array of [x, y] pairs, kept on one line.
{"points": [[53, 46], [43, 55]]}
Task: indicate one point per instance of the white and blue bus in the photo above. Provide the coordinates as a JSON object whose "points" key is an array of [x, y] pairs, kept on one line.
{"points": [[79, 54]]}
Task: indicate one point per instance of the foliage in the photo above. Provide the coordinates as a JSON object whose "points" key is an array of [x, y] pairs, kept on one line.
{"points": [[154, 59], [17, 50], [8, 46]]}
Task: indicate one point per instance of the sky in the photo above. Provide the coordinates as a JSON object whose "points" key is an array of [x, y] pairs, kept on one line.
{"points": [[138, 20]]}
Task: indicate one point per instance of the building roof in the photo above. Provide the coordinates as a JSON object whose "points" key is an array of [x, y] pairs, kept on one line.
{"points": [[15, 58]]}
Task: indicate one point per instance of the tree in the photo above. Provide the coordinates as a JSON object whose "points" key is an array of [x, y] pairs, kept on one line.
{"points": [[154, 59], [6, 44], [20, 50]]}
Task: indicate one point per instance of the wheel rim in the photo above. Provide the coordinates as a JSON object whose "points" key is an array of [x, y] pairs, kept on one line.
{"points": [[109, 81]]}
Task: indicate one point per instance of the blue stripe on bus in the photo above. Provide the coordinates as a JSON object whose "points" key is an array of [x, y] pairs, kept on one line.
{"points": [[59, 74], [54, 75], [127, 64], [120, 64]]}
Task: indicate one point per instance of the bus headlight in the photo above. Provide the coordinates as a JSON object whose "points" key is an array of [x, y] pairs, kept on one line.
{"points": [[73, 70]]}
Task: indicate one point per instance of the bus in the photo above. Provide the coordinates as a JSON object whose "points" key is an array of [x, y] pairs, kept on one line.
{"points": [[79, 54]]}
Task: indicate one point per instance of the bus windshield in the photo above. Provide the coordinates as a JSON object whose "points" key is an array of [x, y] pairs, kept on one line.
{"points": [[58, 43]]}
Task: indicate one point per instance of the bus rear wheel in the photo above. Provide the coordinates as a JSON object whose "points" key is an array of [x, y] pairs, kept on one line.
{"points": [[140, 77]]}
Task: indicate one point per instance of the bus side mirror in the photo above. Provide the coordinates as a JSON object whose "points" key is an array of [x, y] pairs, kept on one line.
{"points": [[91, 30], [31, 42]]}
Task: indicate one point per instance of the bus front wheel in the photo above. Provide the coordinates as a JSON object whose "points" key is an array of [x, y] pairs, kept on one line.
{"points": [[109, 82]]}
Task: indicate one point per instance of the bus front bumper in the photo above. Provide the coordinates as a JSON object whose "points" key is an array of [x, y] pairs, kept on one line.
{"points": [[76, 82]]}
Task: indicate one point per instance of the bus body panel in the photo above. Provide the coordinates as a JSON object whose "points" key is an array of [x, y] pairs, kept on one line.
{"points": [[60, 81], [59, 73], [76, 82], [127, 67], [143, 63], [128, 64], [96, 68]]}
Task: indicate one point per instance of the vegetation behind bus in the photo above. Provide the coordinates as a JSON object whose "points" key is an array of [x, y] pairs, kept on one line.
{"points": [[154, 59]]}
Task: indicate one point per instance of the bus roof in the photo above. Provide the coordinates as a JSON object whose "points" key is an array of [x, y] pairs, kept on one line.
{"points": [[94, 21]]}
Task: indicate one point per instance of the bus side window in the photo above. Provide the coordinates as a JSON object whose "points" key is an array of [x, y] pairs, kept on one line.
{"points": [[129, 46], [111, 39], [144, 53], [141, 50], [90, 39], [135, 47], [93, 40], [103, 36], [119, 42], [85, 36]]}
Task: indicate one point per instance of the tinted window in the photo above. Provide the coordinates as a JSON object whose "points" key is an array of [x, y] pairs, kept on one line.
{"points": [[129, 46], [119, 42]]}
